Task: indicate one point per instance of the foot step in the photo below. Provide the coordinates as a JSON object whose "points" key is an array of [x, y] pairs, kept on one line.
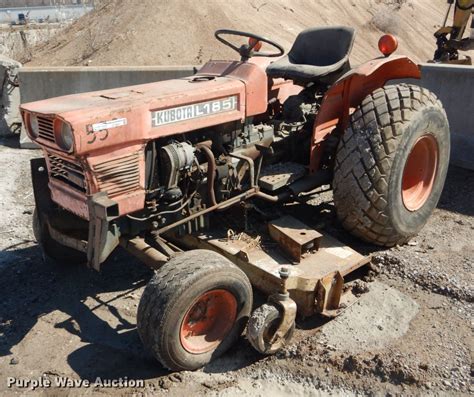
{"points": [[276, 176]]}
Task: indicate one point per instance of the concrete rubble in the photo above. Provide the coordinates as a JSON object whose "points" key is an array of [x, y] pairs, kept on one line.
{"points": [[10, 119]]}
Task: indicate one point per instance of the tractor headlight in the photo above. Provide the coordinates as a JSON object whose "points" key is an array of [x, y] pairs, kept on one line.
{"points": [[33, 126], [64, 136]]}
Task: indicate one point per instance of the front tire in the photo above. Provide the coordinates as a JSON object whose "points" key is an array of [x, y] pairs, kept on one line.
{"points": [[51, 248], [391, 164], [194, 309]]}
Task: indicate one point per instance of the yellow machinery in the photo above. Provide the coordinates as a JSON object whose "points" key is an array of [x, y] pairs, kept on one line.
{"points": [[450, 38]]}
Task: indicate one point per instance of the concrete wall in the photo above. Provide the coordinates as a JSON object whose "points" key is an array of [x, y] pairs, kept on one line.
{"points": [[454, 86], [42, 83]]}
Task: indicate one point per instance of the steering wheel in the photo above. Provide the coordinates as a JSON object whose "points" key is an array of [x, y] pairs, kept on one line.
{"points": [[247, 50]]}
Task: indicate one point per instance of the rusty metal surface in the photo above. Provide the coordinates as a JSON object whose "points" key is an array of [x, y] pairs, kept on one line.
{"points": [[120, 175], [328, 294], [68, 241], [219, 206], [46, 210], [69, 198], [262, 265], [103, 237], [147, 254], [294, 237], [67, 170], [288, 309], [277, 175]]}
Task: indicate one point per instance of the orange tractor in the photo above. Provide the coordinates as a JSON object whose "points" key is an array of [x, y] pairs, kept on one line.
{"points": [[169, 170]]}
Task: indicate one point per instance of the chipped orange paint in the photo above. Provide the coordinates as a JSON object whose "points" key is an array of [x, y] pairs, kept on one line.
{"points": [[245, 81], [251, 74], [136, 103]]}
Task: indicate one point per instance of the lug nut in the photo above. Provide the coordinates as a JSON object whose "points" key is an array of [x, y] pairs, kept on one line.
{"points": [[284, 273]]}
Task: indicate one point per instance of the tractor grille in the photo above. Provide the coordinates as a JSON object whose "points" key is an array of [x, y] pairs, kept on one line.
{"points": [[46, 129], [66, 171], [119, 176]]}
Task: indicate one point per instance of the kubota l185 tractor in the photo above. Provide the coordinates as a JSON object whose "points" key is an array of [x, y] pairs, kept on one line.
{"points": [[161, 168]]}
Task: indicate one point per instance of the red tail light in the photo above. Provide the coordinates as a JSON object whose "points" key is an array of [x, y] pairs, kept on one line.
{"points": [[388, 44]]}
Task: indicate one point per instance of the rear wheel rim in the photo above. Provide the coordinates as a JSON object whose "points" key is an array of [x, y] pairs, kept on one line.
{"points": [[208, 321], [419, 173]]}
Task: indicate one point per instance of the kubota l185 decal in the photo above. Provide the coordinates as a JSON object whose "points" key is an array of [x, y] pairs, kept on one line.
{"points": [[194, 111]]}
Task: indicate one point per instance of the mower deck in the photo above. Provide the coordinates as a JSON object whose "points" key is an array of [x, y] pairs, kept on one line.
{"points": [[316, 280]]}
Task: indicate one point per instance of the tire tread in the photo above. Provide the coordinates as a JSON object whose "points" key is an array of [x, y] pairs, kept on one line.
{"points": [[163, 288], [364, 159]]}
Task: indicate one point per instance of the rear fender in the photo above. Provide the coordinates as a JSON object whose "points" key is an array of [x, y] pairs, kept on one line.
{"points": [[347, 93]]}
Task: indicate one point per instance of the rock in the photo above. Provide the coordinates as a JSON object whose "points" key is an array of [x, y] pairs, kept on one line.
{"points": [[424, 366], [360, 287], [164, 383], [176, 377], [14, 361], [447, 383], [207, 384]]}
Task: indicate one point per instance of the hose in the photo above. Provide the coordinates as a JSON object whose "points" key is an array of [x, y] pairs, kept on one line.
{"points": [[211, 172]]}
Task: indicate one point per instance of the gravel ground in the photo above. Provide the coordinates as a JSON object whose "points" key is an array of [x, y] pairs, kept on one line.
{"points": [[410, 333]]}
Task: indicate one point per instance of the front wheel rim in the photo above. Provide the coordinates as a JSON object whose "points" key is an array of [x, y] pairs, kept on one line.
{"points": [[208, 321], [419, 173]]}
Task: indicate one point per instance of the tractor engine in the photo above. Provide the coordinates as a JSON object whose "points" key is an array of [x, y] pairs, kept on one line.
{"points": [[189, 172]]}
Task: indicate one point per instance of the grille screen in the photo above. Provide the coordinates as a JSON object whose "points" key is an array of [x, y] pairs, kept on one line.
{"points": [[67, 171], [118, 176]]}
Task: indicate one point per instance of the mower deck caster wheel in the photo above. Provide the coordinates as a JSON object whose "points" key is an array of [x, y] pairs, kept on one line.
{"points": [[263, 326]]}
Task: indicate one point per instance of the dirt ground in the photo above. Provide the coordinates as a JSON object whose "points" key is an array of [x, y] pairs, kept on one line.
{"points": [[181, 32], [410, 333]]}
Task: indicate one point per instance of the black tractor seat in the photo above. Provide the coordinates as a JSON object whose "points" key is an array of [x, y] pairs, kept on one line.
{"points": [[318, 55]]}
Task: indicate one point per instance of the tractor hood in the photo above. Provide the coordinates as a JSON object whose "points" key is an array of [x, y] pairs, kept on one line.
{"points": [[220, 92]]}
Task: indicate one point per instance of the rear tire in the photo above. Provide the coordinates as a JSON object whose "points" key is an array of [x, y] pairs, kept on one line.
{"points": [[391, 164], [194, 309]]}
